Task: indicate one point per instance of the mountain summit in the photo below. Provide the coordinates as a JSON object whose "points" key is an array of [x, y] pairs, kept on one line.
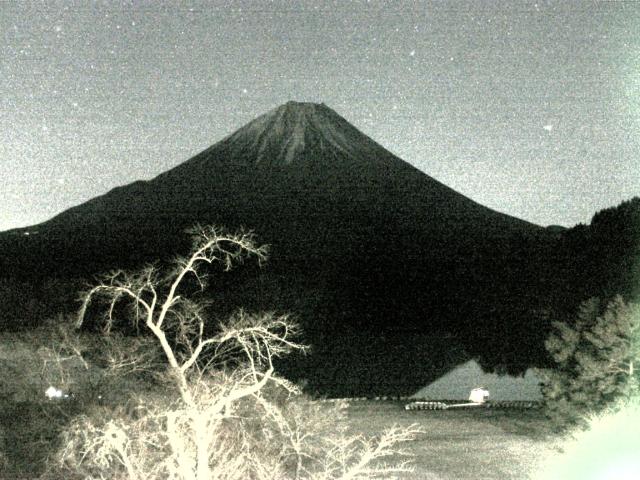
{"points": [[384, 266], [284, 134], [293, 135]]}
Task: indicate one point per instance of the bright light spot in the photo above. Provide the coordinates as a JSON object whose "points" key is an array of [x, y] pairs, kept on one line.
{"points": [[412, 53], [53, 392], [609, 450], [625, 469], [548, 128]]}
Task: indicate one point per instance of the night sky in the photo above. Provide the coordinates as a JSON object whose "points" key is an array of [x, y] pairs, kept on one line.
{"points": [[530, 108]]}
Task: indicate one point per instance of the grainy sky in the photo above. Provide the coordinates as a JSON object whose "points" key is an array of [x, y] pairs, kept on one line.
{"points": [[530, 108]]}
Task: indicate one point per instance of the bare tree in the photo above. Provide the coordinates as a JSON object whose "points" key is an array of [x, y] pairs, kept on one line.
{"points": [[213, 418]]}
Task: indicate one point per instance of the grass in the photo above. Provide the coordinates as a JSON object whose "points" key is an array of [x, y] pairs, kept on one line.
{"points": [[463, 444], [456, 445], [30, 433]]}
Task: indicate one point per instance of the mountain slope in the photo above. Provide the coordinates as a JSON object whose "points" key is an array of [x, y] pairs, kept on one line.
{"points": [[379, 261]]}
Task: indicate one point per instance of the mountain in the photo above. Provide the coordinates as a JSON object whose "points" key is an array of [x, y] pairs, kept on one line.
{"points": [[393, 275], [301, 166]]}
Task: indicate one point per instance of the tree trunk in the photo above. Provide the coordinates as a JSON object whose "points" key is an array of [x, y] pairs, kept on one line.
{"points": [[202, 449]]}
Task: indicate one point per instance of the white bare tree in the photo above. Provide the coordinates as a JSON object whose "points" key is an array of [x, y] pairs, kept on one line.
{"points": [[213, 418]]}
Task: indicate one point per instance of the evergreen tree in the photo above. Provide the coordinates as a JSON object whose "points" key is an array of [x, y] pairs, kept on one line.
{"points": [[596, 360]]}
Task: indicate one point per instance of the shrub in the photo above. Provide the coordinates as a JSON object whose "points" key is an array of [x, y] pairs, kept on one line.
{"points": [[596, 361]]}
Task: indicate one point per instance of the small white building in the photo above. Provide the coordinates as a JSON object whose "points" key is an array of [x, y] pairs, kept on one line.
{"points": [[479, 395]]}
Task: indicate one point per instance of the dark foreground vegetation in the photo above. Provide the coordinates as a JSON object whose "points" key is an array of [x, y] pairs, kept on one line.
{"points": [[358, 306]]}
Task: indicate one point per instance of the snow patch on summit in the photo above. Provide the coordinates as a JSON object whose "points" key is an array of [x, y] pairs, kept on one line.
{"points": [[282, 135], [295, 143]]}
